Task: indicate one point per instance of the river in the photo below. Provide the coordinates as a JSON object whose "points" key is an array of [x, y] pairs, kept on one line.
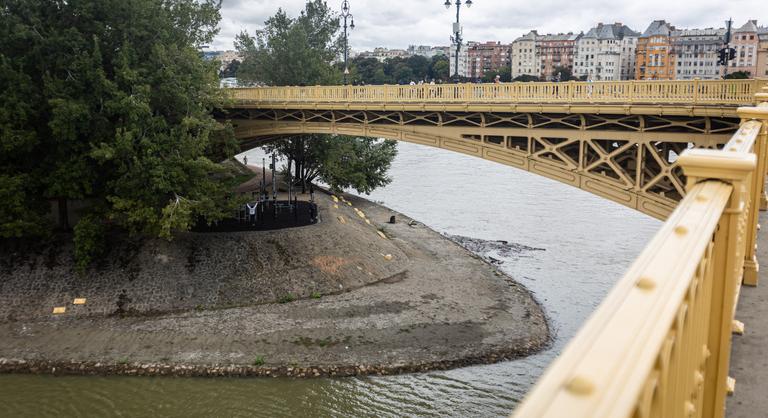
{"points": [[588, 242]]}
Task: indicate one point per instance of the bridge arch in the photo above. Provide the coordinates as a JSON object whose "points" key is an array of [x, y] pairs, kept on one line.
{"points": [[637, 169]]}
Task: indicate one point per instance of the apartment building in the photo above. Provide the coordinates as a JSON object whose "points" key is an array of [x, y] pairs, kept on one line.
{"points": [[524, 57], [555, 51], [487, 57], [745, 41], [696, 53], [762, 53], [606, 52], [655, 59], [463, 59]]}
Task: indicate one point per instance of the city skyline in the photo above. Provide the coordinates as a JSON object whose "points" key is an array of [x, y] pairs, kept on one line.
{"points": [[380, 24]]}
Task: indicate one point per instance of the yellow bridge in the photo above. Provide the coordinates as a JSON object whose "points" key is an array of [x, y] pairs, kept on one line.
{"points": [[690, 152]]}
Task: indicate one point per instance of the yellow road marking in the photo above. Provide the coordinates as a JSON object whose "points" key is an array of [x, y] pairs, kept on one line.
{"points": [[79, 301], [59, 310]]}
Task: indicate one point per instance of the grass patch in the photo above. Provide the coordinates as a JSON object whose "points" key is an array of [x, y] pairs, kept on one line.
{"points": [[290, 297], [316, 295], [258, 361]]}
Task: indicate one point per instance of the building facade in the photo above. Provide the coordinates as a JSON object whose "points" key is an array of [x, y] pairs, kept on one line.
{"points": [[427, 51], [463, 60], [555, 51], [487, 57], [655, 59], [745, 41], [524, 58], [696, 53], [606, 52], [762, 53]]}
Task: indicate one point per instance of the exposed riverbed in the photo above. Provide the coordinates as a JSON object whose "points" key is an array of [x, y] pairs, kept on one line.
{"points": [[566, 246]]}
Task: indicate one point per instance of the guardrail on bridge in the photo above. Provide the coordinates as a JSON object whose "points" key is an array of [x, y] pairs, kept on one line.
{"points": [[659, 344], [691, 92]]}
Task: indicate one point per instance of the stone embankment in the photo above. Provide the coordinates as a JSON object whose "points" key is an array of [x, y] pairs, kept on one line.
{"points": [[350, 295]]}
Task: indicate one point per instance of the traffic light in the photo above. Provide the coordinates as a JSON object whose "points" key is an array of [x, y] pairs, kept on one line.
{"points": [[722, 56], [731, 53]]}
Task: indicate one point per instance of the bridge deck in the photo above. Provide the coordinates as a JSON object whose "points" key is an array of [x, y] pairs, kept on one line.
{"points": [[683, 98], [749, 360]]}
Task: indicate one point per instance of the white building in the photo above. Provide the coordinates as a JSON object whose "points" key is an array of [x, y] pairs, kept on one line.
{"points": [[427, 51], [697, 53], [525, 60], [606, 52], [463, 60]]}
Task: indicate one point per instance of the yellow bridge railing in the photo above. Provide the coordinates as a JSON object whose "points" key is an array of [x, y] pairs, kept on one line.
{"points": [[659, 344], [693, 92]]}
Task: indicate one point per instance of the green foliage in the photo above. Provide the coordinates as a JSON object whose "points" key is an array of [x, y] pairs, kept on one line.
{"points": [[230, 70], [291, 51], [738, 75], [89, 241], [564, 74], [287, 298], [19, 212], [316, 295], [110, 101], [300, 51], [258, 361], [359, 163], [526, 78], [504, 72], [398, 70]]}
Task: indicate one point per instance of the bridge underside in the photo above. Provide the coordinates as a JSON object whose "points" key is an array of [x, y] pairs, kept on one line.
{"points": [[630, 159]]}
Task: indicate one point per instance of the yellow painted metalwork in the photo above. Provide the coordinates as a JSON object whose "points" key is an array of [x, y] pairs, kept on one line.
{"points": [[635, 169], [684, 95], [659, 344]]}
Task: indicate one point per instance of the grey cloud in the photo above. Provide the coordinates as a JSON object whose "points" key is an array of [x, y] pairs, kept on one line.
{"points": [[399, 23]]}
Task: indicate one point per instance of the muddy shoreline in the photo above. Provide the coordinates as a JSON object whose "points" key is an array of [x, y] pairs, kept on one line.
{"points": [[370, 298]]}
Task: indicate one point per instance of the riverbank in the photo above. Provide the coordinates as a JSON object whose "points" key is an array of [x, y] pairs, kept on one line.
{"points": [[354, 303]]}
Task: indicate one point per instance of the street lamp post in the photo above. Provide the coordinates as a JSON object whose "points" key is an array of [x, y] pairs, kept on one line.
{"points": [[456, 38], [346, 16]]}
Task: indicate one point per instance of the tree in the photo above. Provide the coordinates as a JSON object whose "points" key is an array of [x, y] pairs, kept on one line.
{"points": [[505, 74], [301, 51], [292, 51], [230, 70], [361, 164], [738, 75], [109, 101], [562, 74], [526, 78], [440, 68]]}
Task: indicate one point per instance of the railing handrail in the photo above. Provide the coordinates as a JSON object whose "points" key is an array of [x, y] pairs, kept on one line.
{"points": [[659, 343], [688, 92]]}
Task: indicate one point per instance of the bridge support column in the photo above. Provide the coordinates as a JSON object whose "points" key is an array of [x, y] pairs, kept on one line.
{"points": [[756, 188]]}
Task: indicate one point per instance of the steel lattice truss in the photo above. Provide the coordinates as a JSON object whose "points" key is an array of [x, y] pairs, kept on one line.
{"points": [[630, 159]]}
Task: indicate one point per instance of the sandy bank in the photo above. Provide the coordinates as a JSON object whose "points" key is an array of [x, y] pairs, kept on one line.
{"points": [[205, 303]]}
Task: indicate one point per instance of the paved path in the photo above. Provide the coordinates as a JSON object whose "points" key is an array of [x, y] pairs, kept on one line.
{"points": [[749, 356]]}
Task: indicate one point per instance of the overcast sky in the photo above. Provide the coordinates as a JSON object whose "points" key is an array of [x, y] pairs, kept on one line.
{"points": [[399, 23]]}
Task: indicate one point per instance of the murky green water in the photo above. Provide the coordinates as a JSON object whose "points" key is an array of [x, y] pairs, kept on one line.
{"points": [[589, 242]]}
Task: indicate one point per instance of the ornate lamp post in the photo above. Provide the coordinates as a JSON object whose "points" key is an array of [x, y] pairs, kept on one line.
{"points": [[346, 16], [456, 38]]}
